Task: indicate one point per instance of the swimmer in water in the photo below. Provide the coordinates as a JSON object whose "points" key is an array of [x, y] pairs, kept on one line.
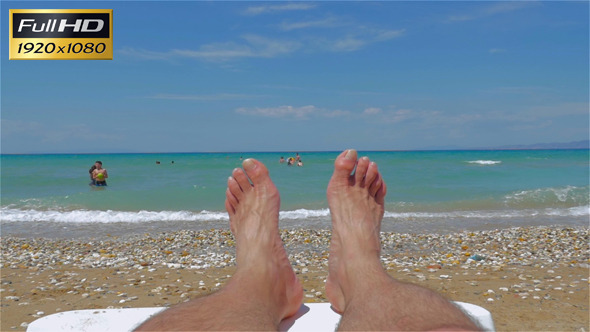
{"points": [[99, 175]]}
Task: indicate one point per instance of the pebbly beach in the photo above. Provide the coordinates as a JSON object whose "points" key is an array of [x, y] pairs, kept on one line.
{"points": [[505, 230], [529, 278]]}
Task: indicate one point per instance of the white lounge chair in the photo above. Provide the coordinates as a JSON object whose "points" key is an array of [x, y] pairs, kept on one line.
{"points": [[310, 317]]}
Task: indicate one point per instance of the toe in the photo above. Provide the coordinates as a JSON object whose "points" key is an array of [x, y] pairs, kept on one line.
{"points": [[380, 195], [242, 180], [234, 187], [375, 186], [256, 171], [344, 164], [372, 174], [229, 207], [231, 199], [361, 171]]}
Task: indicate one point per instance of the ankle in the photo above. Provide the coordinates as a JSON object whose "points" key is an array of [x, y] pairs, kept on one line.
{"points": [[360, 277]]}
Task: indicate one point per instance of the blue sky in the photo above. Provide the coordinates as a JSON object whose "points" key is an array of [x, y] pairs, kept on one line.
{"points": [[301, 76]]}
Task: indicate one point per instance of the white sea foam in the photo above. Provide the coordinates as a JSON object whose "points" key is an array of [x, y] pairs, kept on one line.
{"points": [[304, 214], [109, 216], [578, 211], [10, 215], [548, 195], [485, 162]]}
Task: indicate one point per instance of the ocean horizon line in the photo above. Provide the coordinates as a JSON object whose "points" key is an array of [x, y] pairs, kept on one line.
{"points": [[290, 151]]}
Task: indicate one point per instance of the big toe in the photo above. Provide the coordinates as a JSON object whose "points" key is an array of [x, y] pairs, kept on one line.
{"points": [[256, 171], [344, 164]]}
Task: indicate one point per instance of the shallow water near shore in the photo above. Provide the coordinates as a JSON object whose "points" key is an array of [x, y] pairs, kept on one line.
{"points": [[429, 191]]}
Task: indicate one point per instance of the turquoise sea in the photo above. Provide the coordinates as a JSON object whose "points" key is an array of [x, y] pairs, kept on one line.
{"points": [[428, 191]]}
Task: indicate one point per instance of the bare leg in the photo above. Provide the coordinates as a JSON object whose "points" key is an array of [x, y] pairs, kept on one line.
{"points": [[358, 286], [264, 289]]}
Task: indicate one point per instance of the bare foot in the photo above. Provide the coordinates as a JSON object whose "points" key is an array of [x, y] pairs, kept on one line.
{"points": [[356, 205], [253, 202]]}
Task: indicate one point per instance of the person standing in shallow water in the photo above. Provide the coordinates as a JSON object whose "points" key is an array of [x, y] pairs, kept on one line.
{"points": [[264, 289], [99, 175], [90, 171]]}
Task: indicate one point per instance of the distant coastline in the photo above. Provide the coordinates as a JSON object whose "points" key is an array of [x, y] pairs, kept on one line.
{"points": [[575, 145], [585, 144]]}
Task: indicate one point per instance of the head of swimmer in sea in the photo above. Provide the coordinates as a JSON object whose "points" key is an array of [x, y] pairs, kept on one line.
{"points": [[98, 164]]}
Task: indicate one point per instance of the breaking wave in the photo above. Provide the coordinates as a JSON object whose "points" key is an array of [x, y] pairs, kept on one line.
{"points": [[10, 215], [560, 197], [485, 162]]}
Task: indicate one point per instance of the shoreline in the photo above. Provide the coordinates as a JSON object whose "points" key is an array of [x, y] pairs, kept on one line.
{"points": [[95, 231], [530, 278]]}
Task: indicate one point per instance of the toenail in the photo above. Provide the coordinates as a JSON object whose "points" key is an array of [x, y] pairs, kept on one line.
{"points": [[350, 154], [249, 164]]}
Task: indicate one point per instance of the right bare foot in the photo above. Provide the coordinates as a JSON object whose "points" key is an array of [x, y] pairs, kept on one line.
{"points": [[356, 205], [253, 201]]}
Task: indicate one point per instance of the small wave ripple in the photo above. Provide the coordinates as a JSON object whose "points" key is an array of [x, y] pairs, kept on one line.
{"points": [[10, 215]]}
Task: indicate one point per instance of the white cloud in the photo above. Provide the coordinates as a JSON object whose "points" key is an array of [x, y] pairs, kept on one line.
{"points": [[349, 37], [372, 111], [506, 6], [255, 46], [215, 97], [490, 10], [329, 22], [384, 35], [358, 40], [279, 112], [218, 51], [268, 9], [347, 44], [459, 18], [400, 116], [287, 111]]}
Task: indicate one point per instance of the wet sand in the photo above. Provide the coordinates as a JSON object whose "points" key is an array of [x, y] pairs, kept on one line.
{"points": [[533, 278]]}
